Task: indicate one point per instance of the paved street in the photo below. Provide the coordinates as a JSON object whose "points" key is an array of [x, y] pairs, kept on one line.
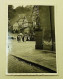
{"points": [[19, 66], [26, 51]]}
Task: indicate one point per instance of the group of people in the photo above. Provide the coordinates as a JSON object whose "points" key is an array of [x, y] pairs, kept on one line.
{"points": [[23, 37]]}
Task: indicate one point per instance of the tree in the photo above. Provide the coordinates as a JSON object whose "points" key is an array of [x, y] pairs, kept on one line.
{"points": [[11, 12]]}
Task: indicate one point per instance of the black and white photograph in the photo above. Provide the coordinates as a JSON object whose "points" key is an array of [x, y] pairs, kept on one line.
{"points": [[31, 39]]}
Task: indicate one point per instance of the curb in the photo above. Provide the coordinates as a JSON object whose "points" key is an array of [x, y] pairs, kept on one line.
{"points": [[35, 64]]}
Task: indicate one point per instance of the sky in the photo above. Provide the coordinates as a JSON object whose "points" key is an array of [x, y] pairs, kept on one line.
{"points": [[16, 5]]}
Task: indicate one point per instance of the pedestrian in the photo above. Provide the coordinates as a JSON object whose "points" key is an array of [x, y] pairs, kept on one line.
{"points": [[23, 38], [29, 38], [21, 35], [18, 38]]}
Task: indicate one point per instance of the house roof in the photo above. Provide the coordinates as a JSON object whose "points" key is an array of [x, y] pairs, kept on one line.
{"points": [[16, 18], [29, 17], [20, 16]]}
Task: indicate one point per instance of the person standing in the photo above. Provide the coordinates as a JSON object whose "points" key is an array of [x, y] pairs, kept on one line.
{"points": [[18, 38], [23, 38]]}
